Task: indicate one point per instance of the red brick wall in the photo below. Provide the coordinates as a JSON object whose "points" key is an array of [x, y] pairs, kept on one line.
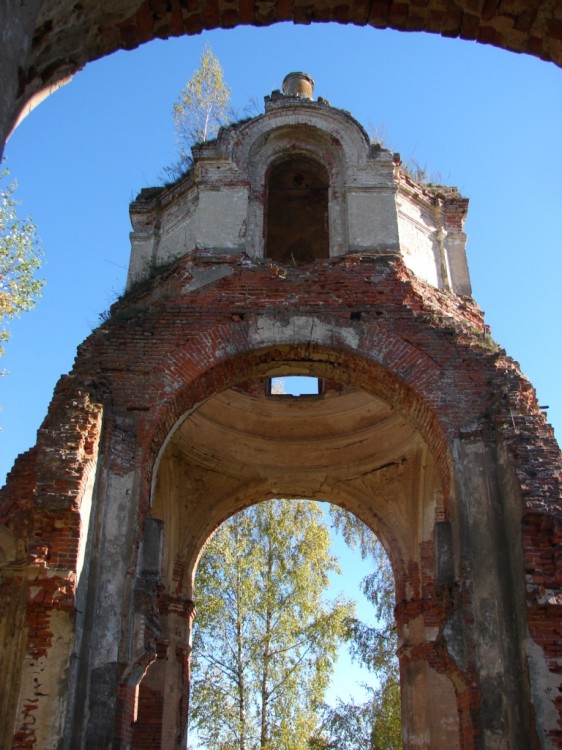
{"points": [[147, 730]]}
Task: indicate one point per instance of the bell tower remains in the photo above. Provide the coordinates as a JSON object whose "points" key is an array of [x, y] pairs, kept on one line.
{"points": [[291, 246]]}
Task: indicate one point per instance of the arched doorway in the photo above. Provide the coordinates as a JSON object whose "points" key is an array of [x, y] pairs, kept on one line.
{"points": [[344, 445], [297, 212], [278, 574]]}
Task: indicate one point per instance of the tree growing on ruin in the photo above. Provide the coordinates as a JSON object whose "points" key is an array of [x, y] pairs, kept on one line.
{"points": [[265, 639], [202, 106], [20, 259]]}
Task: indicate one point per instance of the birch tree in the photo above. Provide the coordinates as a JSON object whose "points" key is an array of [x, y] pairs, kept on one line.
{"points": [[265, 639], [202, 107]]}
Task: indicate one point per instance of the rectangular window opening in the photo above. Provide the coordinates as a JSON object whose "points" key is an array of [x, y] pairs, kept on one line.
{"points": [[295, 385]]}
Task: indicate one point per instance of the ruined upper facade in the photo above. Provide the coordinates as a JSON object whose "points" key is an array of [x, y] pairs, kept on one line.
{"points": [[292, 246], [301, 183]]}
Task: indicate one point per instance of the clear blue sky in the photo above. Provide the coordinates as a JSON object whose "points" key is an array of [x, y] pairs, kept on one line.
{"points": [[488, 121]]}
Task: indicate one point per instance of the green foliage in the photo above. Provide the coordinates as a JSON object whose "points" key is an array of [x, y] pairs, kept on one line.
{"points": [[20, 258], [202, 107], [387, 721], [355, 533], [376, 646], [348, 725], [265, 640], [375, 724]]}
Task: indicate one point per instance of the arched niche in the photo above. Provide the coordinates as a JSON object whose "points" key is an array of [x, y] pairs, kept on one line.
{"points": [[318, 135], [297, 225]]}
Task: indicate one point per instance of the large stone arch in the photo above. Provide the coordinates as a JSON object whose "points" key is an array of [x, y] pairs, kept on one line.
{"points": [[47, 41], [387, 365], [165, 354], [317, 347], [312, 352]]}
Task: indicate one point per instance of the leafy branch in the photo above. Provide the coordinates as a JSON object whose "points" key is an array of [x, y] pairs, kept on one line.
{"points": [[20, 259]]}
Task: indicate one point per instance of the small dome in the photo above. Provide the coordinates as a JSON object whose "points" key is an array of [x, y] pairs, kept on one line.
{"points": [[298, 84]]}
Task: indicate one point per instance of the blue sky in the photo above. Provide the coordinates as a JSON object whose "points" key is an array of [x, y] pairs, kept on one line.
{"points": [[486, 120]]}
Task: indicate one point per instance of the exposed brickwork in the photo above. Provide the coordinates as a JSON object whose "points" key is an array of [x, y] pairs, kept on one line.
{"points": [[428, 338], [148, 729], [43, 513], [434, 604], [423, 350], [128, 706], [79, 433]]}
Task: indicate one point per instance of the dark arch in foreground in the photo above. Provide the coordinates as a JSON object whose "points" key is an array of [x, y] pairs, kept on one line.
{"points": [[45, 42]]}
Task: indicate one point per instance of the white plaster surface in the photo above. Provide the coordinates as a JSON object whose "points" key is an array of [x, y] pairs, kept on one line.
{"points": [[545, 688], [418, 247], [221, 217], [298, 329], [203, 276], [85, 511], [372, 220], [220, 205], [113, 569]]}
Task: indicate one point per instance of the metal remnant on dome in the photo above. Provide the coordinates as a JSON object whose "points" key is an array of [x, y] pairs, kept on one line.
{"points": [[298, 84]]}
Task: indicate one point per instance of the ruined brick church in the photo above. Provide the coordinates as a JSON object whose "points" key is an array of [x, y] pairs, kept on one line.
{"points": [[293, 246]]}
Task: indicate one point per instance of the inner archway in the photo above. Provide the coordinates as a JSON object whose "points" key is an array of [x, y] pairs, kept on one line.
{"points": [[344, 445], [242, 437], [267, 582]]}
